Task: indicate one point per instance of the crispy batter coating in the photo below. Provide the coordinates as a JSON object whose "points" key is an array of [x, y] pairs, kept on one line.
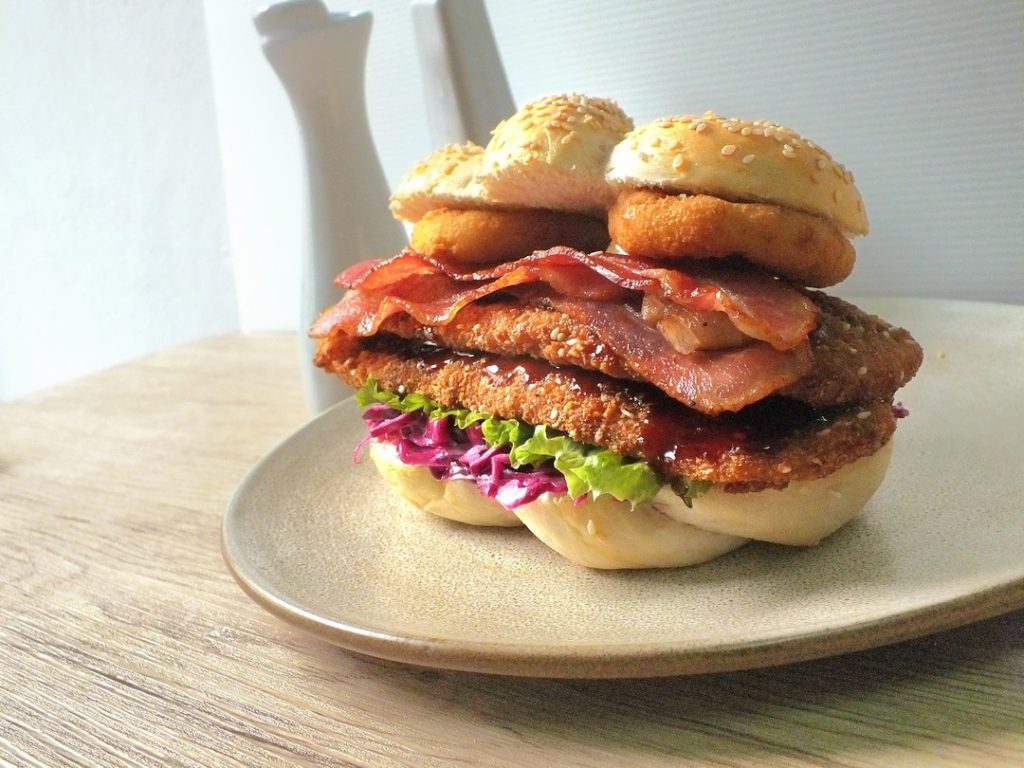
{"points": [[856, 356], [483, 237], [765, 445], [796, 245]]}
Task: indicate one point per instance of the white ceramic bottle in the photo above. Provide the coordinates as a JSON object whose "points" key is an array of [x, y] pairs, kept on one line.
{"points": [[320, 58]]}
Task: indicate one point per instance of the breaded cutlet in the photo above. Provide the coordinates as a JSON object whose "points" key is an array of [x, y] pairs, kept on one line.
{"points": [[765, 445], [856, 357]]}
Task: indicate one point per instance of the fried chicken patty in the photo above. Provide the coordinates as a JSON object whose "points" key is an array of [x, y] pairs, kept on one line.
{"points": [[794, 244], [766, 445], [856, 357]]}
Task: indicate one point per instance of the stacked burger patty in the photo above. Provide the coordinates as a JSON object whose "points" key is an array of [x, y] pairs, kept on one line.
{"points": [[611, 336]]}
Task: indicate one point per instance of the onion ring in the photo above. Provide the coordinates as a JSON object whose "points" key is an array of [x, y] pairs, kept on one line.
{"points": [[473, 237], [793, 244]]}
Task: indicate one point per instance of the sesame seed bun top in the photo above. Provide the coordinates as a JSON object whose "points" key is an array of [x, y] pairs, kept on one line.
{"points": [[438, 181], [740, 161], [552, 154]]}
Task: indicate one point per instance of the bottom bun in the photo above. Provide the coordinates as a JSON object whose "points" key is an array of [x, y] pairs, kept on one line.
{"points": [[661, 533], [458, 500], [607, 533], [803, 513]]}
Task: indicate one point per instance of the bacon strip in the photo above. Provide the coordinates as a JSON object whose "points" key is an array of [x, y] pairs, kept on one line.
{"points": [[432, 292], [711, 382], [597, 291]]}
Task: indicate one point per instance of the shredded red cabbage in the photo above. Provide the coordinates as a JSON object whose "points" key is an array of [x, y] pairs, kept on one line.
{"points": [[452, 453]]}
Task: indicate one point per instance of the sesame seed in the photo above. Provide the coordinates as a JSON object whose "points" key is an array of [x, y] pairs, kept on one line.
{"points": [[677, 162], [554, 335], [591, 528], [846, 326], [561, 351], [748, 159], [733, 128], [656, 142], [745, 130], [864, 415], [677, 144], [634, 144], [568, 138], [554, 414], [700, 127], [728, 149], [862, 370], [788, 151], [836, 195], [821, 163], [644, 157], [784, 468], [853, 350], [886, 334], [572, 342], [825, 431]]}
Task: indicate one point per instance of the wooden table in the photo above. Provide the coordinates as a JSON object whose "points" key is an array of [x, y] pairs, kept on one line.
{"points": [[124, 641]]}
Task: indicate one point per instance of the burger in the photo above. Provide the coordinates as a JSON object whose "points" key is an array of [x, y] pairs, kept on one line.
{"points": [[612, 335]]}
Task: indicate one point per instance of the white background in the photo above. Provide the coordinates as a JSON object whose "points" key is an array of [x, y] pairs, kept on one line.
{"points": [[151, 186]]}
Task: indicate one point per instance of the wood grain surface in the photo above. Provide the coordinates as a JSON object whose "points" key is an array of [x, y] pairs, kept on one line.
{"points": [[124, 641]]}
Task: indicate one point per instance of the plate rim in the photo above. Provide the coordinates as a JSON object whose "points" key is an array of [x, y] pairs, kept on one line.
{"points": [[641, 660], [657, 659]]}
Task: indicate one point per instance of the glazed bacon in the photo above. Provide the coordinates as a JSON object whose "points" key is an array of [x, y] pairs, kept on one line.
{"points": [[432, 292], [711, 382], [600, 291]]}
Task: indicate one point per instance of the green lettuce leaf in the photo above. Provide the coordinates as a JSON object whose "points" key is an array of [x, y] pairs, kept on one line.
{"points": [[588, 470]]}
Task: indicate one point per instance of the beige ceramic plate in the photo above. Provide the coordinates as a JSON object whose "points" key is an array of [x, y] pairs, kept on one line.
{"points": [[320, 543]]}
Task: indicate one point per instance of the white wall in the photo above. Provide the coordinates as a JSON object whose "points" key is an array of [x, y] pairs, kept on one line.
{"points": [[108, 160], [113, 239]]}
